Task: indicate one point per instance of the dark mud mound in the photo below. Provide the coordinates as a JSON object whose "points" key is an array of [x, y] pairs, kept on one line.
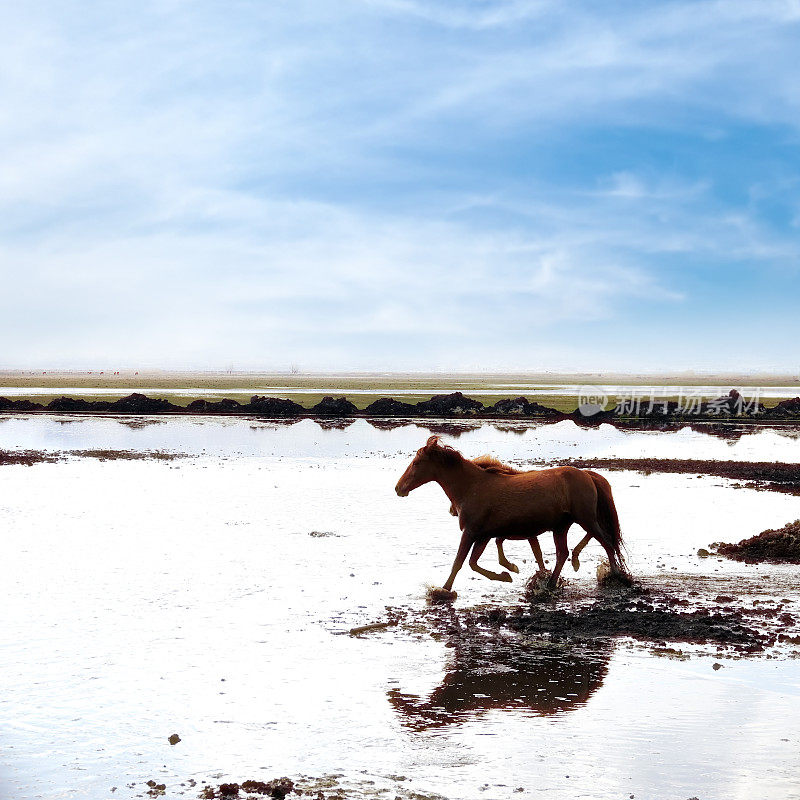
{"points": [[225, 406], [520, 407], [19, 405], [780, 546], [273, 407], [141, 404], [641, 617], [732, 404], [71, 405], [334, 407], [444, 405], [389, 407], [786, 408]]}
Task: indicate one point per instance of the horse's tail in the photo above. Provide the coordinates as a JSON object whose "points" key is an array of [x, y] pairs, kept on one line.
{"points": [[607, 516]]}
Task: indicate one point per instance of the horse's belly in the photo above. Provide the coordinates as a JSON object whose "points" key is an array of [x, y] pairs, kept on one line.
{"points": [[522, 527]]}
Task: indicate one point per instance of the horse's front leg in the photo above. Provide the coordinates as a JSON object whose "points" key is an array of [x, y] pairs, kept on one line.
{"points": [[463, 548], [477, 551], [501, 557]]}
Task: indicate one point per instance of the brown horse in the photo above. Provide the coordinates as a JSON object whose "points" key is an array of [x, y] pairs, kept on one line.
{"points": [[519, 505], [491, 464]]}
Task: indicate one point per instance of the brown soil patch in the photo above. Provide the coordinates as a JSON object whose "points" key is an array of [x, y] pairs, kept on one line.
{"points": [[30, 457], [26, 457], [773, 475], [781, 546]]}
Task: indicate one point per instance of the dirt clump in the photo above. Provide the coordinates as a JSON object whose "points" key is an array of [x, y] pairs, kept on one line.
{"points": [[70, 405], [142, 404], [786, 408], [224, 406], [277, 788], [443, 405], [19, 405], [437, 596], [273, 407], [521, 407], [538, 587], [389, 407], [334, 407], [781, 546]]}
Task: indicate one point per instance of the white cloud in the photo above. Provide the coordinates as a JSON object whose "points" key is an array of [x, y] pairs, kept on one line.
{"points": [[283, 181]]}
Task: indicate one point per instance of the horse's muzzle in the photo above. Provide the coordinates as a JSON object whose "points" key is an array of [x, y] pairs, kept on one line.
{"points": [[401, 492]]}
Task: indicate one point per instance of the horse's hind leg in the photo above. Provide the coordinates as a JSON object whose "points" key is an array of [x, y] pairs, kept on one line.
{"points": [[501, 557], [537, 552], [576, 564], [594, 530], [477, 551]]}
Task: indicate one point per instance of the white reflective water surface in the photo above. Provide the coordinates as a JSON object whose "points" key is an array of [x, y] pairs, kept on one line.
{"points": [[145, 598]]}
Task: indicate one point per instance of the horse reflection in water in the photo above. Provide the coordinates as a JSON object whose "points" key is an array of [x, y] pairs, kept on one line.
{"points": [[494, 669]]}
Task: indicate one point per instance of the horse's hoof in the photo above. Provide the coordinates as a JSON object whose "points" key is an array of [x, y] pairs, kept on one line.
{"points": [[576, 565], [441, 596], [513, 567], [505, 577]]}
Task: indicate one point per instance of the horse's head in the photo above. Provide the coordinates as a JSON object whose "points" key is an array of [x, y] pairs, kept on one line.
{"points": [[426, 465]]}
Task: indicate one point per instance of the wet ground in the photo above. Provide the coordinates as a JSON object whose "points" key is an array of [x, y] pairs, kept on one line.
{"points": [[213, 596]]}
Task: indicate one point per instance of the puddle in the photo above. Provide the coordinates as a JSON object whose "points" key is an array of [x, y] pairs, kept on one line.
{"points": [[212, 597]]}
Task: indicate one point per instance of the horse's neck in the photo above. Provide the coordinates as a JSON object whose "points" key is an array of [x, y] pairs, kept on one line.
{"points": [[457, 480]]}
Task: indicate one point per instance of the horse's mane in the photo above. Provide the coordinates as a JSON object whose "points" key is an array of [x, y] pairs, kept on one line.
{"points": [[445, 454], [442, 453], [491, 464]]}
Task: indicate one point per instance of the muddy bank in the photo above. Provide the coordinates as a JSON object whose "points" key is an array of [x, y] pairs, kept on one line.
{"points": [[731, 407], [30, 457], [27, 457], [740, 616], [781, 546], [772, 475], [326, 787], [650, 619]]}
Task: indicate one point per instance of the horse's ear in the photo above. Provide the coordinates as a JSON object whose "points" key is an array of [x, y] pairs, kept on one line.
{"points": [[433, 441]]}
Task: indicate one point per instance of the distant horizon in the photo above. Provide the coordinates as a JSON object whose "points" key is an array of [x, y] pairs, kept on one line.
{"points": [[611, 374]]}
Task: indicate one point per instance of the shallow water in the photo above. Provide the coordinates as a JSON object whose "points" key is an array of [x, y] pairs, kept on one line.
{"points": [[148, 598]]}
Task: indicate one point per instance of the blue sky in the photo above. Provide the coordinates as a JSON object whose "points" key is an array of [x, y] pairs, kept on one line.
{"points": [[400, 185]]}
